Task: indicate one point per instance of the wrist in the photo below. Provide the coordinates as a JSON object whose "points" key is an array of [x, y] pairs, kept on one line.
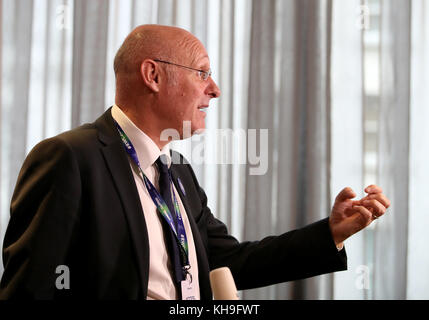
{"points": [[338, 240]]}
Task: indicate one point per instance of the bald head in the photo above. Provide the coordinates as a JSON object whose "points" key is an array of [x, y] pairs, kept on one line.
{"points": [[154, 42], [163, 79]]}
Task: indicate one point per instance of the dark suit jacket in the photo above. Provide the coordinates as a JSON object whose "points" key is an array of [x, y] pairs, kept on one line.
{"points": [[76, 204]]}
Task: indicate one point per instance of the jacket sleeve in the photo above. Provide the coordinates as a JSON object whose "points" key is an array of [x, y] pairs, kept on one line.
{"points": [[297, 254], [44, 215]]}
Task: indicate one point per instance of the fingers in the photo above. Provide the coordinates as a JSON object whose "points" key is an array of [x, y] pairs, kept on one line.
{"points": [[351, 216], [380, 197], [349, 210], [373, 189], [376, 193], [378, 209], [357, 218], [361, 217], [346, 193], [357, 202]]}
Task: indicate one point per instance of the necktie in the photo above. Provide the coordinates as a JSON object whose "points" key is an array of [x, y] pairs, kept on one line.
{"points": [[165, 191]]}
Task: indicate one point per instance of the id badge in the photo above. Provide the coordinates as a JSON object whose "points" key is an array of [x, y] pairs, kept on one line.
{"points": [[188, 288]]}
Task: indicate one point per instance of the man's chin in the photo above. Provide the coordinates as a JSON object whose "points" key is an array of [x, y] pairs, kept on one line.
{"points": [[188, 130], [200, 130]]}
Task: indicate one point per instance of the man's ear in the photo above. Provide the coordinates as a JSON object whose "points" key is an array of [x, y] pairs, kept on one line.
{"points": [[149, 71]]}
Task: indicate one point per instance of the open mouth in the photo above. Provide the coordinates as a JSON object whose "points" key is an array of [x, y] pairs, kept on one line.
{"points": [[203, 109]]}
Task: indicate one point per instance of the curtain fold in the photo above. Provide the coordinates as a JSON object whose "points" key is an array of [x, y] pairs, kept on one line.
{"points": [[16, 37], [225, 108], [418, 237], [89, 60], [391, 233], [257, 215], [49, 107], [295, 189], [346, 122], [311, 148], [3, 216]]}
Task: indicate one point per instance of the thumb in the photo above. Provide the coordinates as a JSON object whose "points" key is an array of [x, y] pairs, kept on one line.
{"points": [[346, 193]]}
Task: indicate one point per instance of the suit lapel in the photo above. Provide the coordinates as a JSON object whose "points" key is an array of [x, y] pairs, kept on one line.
{"points": [[119, 167]]}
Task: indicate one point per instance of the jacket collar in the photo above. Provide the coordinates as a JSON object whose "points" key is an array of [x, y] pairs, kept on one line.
{"points": [[118, 165]]}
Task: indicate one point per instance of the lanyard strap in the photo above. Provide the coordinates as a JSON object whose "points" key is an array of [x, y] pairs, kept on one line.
{"points": [[159, 202]]}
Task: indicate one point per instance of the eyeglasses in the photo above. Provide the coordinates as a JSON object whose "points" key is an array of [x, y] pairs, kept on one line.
{"points": [[202, 74]]}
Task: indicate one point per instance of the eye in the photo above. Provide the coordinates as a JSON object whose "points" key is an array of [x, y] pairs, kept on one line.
{"points": [[204, 74], [208, 74]]}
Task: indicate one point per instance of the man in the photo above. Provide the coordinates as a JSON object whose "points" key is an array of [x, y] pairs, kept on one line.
{"points": [[106, 203]]}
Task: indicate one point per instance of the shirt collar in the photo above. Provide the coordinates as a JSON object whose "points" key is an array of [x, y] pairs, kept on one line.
{"points": [[146, 148]]}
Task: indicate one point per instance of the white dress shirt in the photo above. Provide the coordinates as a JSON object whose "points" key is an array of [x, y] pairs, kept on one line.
{"points": [[161, 285]]}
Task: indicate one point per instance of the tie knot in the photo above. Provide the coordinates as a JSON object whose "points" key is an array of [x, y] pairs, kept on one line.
{"points": [[162, 162]]}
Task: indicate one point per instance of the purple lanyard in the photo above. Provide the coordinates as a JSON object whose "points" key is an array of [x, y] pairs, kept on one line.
{"points": [[159, 202]]}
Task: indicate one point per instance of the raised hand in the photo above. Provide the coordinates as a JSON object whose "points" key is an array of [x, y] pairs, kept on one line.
{"points": [[350, 216]]}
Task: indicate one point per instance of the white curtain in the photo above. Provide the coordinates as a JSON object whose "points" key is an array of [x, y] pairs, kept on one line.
{"points": [[291, 72], [347, 165], [403, 261], [392, 233], [418, 237], [289, 95]]}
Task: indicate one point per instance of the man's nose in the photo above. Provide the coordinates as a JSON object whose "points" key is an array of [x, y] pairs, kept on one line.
{"points": [[212, 89]]}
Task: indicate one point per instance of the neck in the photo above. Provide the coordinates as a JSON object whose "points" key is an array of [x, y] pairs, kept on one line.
{"points": [[149, 126]]}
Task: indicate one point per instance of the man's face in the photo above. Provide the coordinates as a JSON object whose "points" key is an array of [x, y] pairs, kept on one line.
{"points": [[190, 94]]}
